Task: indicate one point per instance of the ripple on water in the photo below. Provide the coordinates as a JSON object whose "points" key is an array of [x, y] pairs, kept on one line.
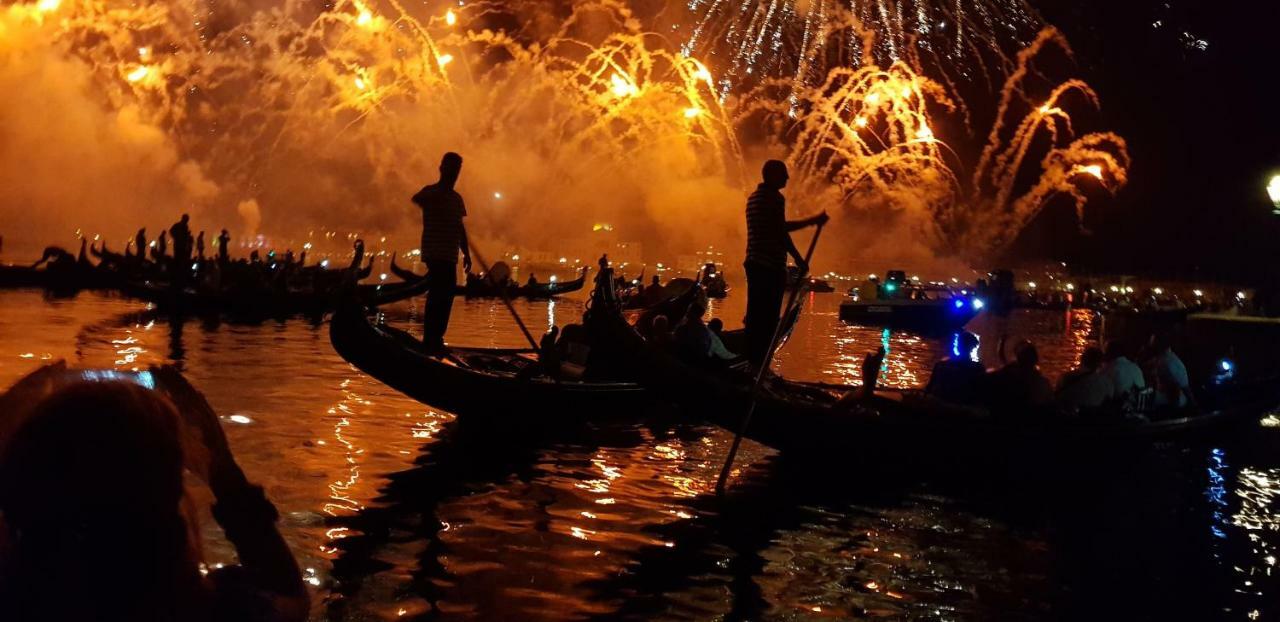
{"points": [[397, 510]]}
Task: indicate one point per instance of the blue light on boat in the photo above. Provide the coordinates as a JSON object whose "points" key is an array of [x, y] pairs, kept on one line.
{"points": [[1226, 365], [978, 304], [959, 303]]}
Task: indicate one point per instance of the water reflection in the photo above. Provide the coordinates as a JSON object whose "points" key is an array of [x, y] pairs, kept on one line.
{"points": [[399, 511]]}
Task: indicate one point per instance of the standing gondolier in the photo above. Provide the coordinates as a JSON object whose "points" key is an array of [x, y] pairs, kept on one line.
{"points": [[768, 244], [443, 236]]}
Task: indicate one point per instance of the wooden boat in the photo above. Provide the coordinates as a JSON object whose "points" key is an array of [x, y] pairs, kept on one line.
{"points": [[551, 290], [21, 276], [713, 281], [808, 419], [475, 381], [251, 304], [495, 382], [820, 286], [56, 277]]}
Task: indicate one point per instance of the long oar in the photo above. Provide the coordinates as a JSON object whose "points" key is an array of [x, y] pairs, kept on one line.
{"points": [[764, 367], [506, 300]]}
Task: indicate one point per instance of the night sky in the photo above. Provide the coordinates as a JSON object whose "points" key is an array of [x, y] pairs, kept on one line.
{"points": [[1191, 86]]}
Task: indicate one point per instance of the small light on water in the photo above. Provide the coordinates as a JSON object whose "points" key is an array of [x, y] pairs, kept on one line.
{"points": [[241, 419]]}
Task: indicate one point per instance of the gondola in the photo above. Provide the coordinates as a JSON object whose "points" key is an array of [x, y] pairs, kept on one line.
{"points": [[59, 277], [489, 383], [492, 382], [249, 304], [808, 419], [820, 286], [541, 291]]}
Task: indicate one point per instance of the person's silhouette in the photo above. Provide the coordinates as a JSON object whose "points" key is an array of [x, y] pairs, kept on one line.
{"points": [[768, 244], [180, 233], [443, 236], [140, 243], [224, 241], [162, 246]]}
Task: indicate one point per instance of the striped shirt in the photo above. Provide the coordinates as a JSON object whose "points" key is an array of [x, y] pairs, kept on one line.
{"points": [[767, 228], [442, 214]]}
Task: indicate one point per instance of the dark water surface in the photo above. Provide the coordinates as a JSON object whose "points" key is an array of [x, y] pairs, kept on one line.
{"points": [[398, 511]]}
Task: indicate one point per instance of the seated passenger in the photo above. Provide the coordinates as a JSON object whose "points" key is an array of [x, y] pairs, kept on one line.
{"points": [[1087, 386], [1125, 375], [1168, 374], [1019, 387], [692, 337], [718, 350], [959, 379], [548, 357], [573, 350], [660, 333]]}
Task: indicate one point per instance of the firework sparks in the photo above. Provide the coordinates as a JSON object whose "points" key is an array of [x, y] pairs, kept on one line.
{"points": [[358, 91], [800, 41]]}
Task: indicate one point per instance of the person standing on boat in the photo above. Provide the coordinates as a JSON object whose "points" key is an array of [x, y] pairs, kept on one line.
{"points": [[161, 251], [224, 247], [443, 236], [768, 244], [140, 244], [180, 233]]}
